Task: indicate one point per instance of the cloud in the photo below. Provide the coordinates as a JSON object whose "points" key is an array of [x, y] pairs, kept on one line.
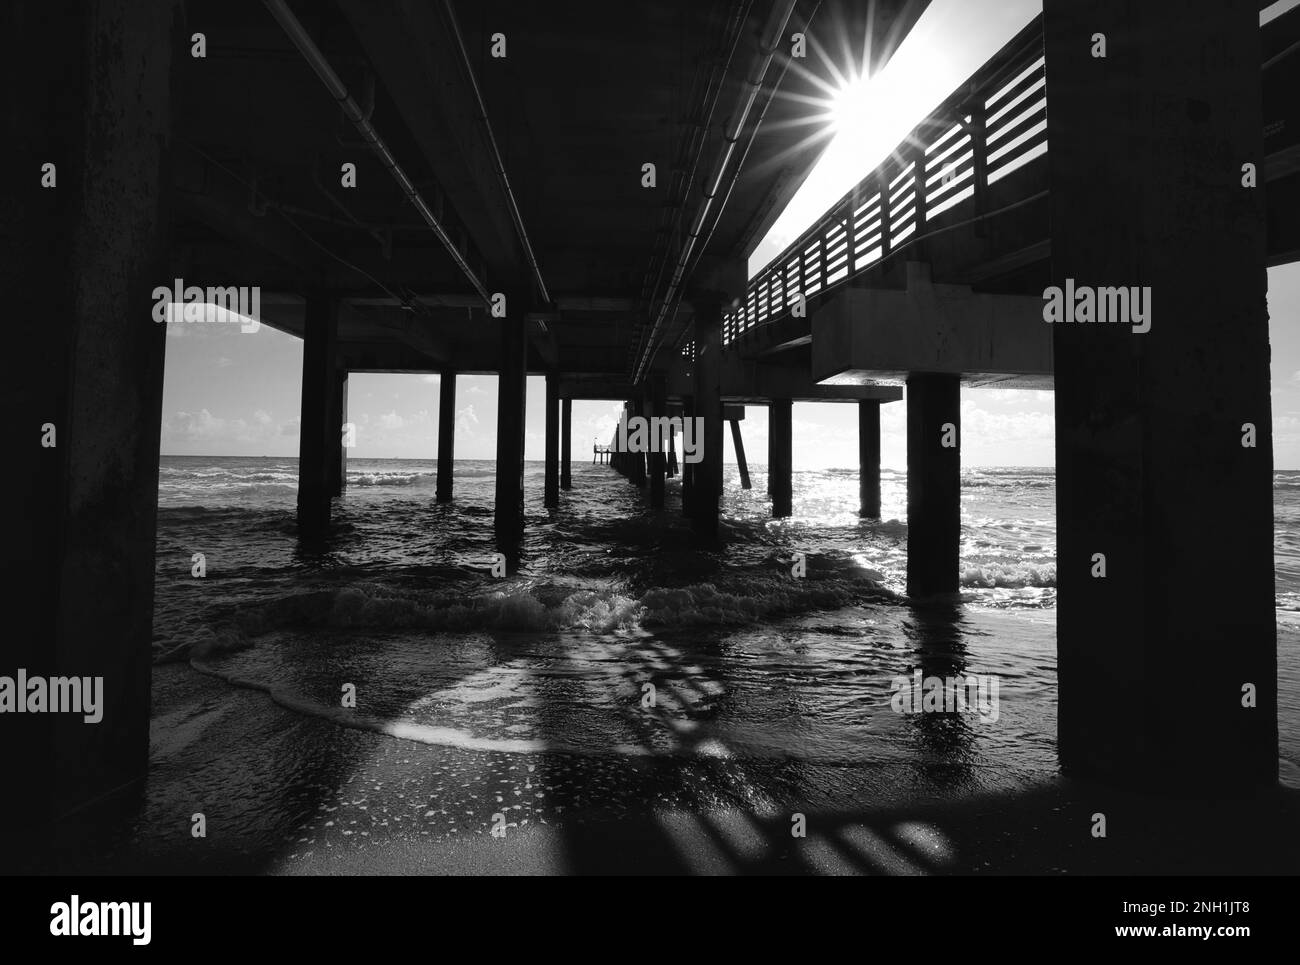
{"points": [[466, 420], [184, 428]]}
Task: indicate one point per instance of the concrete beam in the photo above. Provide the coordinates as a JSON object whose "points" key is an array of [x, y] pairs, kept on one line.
{"points": [[871, 334], [754, 382]]}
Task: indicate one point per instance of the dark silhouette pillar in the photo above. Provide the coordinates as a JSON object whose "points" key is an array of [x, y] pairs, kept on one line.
{"points": [[659, 444], [318, 434], [1163, 439], [637, 460], [446, 433], [566, 444], [687, 468], [338, 458], [771, 459], [781, 445], [706, 492], [511, 385], [933, 483], [869, 458], [738, 444], [83, 392], [551, 474]]}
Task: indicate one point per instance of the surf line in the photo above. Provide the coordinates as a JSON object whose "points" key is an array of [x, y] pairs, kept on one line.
{"points": [[418, 733]]}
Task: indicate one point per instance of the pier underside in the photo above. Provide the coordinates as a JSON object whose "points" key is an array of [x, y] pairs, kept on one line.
{"points": [[229, 170]]}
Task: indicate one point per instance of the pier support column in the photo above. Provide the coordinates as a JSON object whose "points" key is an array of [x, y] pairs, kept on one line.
{"points": [[658, 448], [687, 468], [551, 483], [738, 444], [933, 483], [771, 459], [780, 430], [869, 458], [83, 389], [319, 436], [446, 433], [1159, 680], [637, 460], [706, 492], [566, 444], [338, 459], [511, 386]]}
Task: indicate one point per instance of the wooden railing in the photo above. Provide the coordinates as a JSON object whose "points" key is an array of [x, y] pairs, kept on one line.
{"points": [[993, 125]]}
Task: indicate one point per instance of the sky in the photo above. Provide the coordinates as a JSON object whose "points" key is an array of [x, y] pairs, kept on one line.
{"points": [[228, 392]]}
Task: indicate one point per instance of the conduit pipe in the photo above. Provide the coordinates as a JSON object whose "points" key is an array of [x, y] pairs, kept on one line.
{"points": [[770, 40], [515, 216], [299, 37]]}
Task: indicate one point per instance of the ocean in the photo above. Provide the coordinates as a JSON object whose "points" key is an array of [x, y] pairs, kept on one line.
{"points": [[624, 666]]}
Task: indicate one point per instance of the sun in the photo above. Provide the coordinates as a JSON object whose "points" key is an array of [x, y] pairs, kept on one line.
{"points": [[848, 105]]}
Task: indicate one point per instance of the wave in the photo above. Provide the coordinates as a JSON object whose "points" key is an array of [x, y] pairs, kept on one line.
{"points": [[388, 478], [546, 607], [1012, 577], [681, 739]]}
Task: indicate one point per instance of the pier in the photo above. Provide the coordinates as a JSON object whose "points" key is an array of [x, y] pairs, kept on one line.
{"points": [[481, 240]]}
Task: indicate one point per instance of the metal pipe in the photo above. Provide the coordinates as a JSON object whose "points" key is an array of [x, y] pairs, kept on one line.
{"points": [[735, 26], [775, 27], [496, 155], [299, 37]]}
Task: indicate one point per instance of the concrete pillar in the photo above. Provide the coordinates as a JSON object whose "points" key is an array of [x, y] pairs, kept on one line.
{"points": [[781, 445], [658, 454], [1161, 681], [318, 435], [78, 262], [638, 473], [338, 458], [687, 468], [706, 495], [446, 433], [566, 444], [738, 444], [771, 459], [869, 458], [617, 457], [551, 474], [933, 483], [511, 385]]}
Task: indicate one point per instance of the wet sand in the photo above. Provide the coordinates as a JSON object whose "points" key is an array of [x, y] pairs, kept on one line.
{"points": [[387, 806]]}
